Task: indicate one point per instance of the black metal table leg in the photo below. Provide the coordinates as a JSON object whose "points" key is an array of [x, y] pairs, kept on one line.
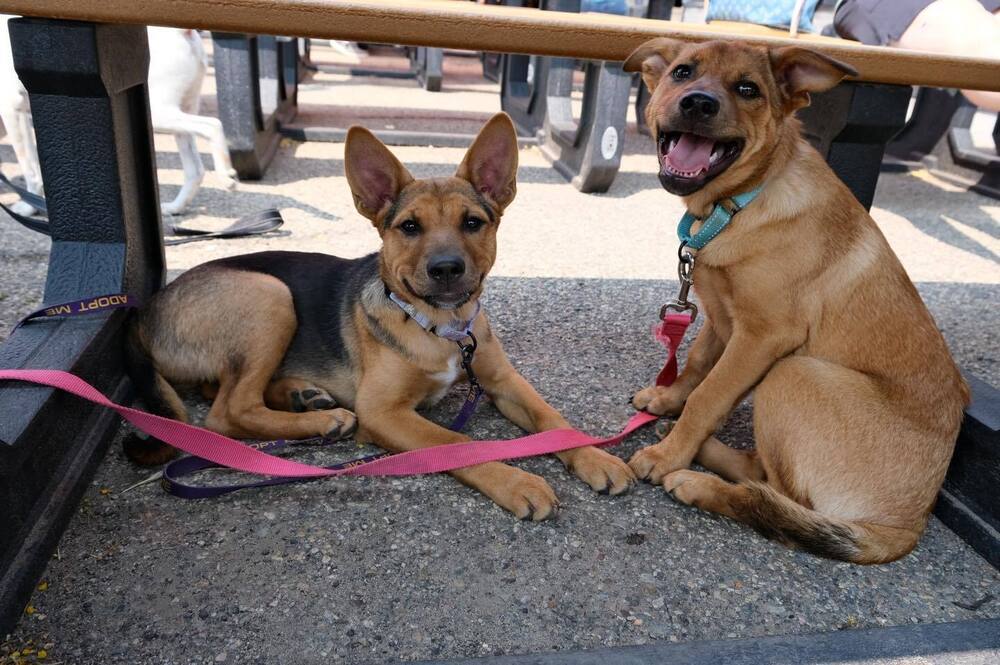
{"points": [[523, 82], [662, 11], [587, 152], [252, 84], [968, 502], [851, 125], [87, 85], [928, 123], [427, 64]]}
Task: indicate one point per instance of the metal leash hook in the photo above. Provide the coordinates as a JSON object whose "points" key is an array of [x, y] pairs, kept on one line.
{"points": [[468, 351], [685, 272]]}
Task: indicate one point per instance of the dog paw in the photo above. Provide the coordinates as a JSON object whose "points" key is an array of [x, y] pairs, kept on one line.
{"points": [[147, 451], [343, 424], [685, 485], [659, 400], [694, 488], [605, 473], [526, 495], [655, 462], [311, 399], [229, 181]]}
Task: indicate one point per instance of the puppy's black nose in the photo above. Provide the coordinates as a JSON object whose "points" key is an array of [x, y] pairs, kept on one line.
{"points": [[699, 106], [445, 267]]}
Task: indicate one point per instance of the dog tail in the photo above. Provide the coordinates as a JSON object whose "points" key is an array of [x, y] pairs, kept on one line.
{"points": [[779, 517], [157, 394]]}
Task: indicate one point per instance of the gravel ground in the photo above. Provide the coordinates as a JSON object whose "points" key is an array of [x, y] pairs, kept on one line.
{"points": [[375, 570]]}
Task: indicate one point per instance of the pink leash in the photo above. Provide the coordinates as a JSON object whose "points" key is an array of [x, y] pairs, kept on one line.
{"points": [[434, 459]]}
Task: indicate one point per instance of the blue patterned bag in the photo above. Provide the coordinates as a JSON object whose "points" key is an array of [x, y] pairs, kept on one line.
{"points": [[773, 13], [604, 6]]}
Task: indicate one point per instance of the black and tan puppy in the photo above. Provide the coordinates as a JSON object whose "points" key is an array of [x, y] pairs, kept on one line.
{"points": [[857, 402], [288, 342]]}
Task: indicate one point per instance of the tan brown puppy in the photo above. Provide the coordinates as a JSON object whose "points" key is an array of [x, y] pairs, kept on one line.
{"points": [[289, 341], [857, 402]]}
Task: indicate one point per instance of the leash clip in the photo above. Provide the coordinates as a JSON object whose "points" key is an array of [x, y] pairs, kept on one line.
{"points": [[468, 352], [685, 275]]}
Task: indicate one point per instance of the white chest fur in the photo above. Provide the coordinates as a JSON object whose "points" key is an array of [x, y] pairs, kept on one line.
{"points": [[445, 379]]}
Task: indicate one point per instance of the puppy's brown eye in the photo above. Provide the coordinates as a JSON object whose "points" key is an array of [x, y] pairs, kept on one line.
{"points": [[747, 90], [410, 227], [681, 72], [472, 224]]}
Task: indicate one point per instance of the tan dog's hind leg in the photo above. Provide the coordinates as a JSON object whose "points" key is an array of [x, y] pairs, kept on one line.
{"points": [[239, 409], [732, 464], [816, 425], [521, 404]]}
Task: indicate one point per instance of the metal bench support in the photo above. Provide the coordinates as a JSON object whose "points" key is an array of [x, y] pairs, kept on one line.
{"points": [[87, 85], [928, 123], [427, 64], [851, 125], [523, 81], [588, 152], [938, 137], [959, 153], [256, 89], [662, 11], [967, 503]]}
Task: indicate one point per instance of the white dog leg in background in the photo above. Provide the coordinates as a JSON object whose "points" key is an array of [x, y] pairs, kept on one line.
{"points": [[16, 115], [194, 173], [176, 71]]}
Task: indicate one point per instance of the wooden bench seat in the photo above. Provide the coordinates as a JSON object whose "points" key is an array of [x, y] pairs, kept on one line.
{"points": [[464, 25]]}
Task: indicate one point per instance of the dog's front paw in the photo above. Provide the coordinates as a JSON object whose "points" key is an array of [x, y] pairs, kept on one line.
{"points": [[526, 495], [659, 400], [654, 462], [604, 472], [343, 423]]}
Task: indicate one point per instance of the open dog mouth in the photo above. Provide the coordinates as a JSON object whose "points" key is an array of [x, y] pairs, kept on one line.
{"points": [[688, 161]]}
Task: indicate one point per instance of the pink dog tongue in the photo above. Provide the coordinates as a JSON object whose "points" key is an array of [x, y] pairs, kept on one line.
{"points": [[691, 154]]}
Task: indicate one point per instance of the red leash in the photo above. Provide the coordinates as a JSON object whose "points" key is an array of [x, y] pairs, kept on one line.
{"points": [[237, 455]]}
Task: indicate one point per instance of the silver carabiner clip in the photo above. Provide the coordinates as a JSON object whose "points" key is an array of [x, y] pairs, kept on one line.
{"points": [[685, 271]]}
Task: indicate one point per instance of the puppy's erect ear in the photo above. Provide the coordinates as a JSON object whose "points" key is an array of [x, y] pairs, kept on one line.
{"points": [[652, 59], [375, 175], [491, 162], [799, 71]]}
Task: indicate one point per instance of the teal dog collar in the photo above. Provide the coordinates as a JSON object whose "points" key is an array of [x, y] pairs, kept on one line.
{"points": [[715, 223]]}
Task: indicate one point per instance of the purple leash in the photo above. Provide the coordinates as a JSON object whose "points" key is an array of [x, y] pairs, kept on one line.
{"points": [[170, 476], [85, 306], [185, 466]]}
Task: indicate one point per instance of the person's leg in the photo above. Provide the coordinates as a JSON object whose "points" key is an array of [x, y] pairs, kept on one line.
{"points": [[957, 27]]}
